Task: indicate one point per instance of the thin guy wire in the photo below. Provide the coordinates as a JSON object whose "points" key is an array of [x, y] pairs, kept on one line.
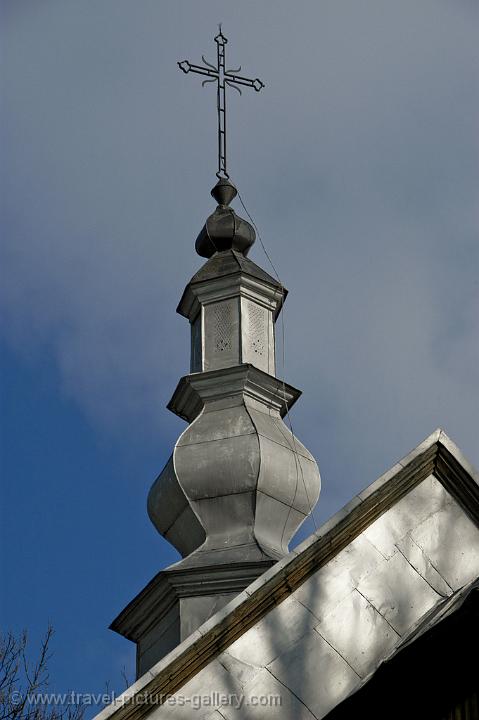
{"points": [[283, 358]]}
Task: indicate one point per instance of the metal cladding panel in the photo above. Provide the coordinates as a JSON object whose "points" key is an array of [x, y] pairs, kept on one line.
{"points": [[423, 565], [213, 468], [270, 425], [421, 502], [316, 673], [230, 262], [218, 424], [171, 514], [275, 522], [292, 479], [399, 593], [359, 633], [337, 579], [267, 640], [257, 335], [221, 345], [260, 698], [195, 610], [158, 642], [228, 519], [451, 541]]}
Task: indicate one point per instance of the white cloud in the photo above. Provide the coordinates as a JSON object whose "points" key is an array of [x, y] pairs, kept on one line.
{"points": [[358, 161]]}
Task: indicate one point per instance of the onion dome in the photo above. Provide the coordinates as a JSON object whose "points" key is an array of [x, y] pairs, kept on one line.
{"points": [[224, 229]]}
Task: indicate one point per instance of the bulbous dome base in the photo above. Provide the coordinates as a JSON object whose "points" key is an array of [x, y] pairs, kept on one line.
{"points": [[249, 482]]}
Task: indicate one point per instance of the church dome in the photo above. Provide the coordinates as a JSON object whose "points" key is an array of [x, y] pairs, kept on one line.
{"points": [[224, 229]]}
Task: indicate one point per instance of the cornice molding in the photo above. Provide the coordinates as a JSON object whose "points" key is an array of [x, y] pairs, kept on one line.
{"points": [[168, 586], [239, 380], [228, 286]]}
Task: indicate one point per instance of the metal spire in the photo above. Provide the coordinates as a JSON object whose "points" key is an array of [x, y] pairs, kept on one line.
{"points": [[222, 78]]}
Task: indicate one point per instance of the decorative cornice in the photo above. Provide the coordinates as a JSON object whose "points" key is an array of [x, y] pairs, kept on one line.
{"points": [[237, 284], [240, 380], [437, 455], [150, 605]]}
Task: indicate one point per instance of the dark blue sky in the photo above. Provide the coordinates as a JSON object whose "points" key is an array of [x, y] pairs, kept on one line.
{"points": [[76, 541], [360, 164], [67, 497]]}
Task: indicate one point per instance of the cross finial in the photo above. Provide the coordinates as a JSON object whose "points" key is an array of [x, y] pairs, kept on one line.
{"points": [[220, 38], [222, 77]]}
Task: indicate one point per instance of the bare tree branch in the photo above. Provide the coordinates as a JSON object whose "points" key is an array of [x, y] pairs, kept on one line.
{"points": [[22, 680]]}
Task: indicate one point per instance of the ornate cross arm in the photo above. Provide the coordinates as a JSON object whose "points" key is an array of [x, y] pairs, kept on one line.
{"points": [[238, 80], [222, 78], [189, 67]]}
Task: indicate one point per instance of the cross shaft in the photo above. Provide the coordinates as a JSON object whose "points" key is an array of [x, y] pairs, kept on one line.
{"points": [[222, 77]]}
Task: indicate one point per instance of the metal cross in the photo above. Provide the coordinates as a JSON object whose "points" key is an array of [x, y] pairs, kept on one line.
{"points": [[222, 78]]}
